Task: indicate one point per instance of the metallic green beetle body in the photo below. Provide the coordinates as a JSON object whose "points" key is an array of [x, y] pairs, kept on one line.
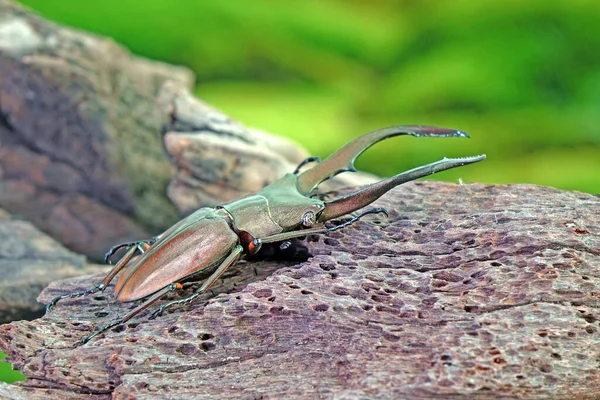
{"points": [[210, 240]]}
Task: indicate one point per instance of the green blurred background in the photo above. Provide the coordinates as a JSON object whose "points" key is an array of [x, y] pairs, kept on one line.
{"points": [[522, 77]]}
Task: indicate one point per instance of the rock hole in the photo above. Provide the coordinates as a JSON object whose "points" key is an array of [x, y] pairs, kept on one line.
{"points": [[99, 298], [367, 307], [379, 298], [262, 293], [187, 349], [119, 328], [556, 356], [417, 231], [331, 242], [133, 325], [585, 278], [207, 346], [571, 334], [271, 299], [467, 281], [589, 318], [390, 291], [494, 351], [543, 334], [495, 264], [340, 291], [546, 368], [28, 335], [131, 340], [205, 336], [172, 329], [321, 307], [590, 329], [294, 286], [333, 275], [471, 309], [101, 314], [327, 267], [303, 291]]}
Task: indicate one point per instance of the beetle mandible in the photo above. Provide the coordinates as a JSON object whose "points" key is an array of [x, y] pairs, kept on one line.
{"points": [[212, 239]]}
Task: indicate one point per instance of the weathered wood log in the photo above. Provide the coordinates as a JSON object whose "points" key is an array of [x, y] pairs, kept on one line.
{"points": [[465, 290]]}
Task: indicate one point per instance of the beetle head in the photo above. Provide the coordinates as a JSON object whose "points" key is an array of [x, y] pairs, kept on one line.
{"points": [[289, 208]]}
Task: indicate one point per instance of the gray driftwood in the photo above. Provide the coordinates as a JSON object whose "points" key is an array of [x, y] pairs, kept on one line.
{"points": [[465, 290]]}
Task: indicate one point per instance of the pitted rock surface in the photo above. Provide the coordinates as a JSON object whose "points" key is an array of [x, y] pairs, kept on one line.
{"points": [[465, 290]]}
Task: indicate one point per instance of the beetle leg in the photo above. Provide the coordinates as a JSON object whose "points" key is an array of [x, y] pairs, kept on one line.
{"points": [[311, 231], [116, 248], [141, 247], [229, 261], [306, 161], [157, 296]]}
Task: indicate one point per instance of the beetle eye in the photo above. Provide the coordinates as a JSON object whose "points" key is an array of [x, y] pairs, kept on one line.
{"points": [[308, 219]]}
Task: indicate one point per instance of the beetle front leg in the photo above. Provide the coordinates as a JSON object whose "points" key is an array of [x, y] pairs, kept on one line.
{"points": [[229, 261], [311, 231]]}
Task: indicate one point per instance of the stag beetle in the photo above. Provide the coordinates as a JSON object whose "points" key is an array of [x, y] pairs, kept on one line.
{"points": [[212, 239]]}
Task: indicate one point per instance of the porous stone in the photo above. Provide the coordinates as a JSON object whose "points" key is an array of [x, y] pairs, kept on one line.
{"points": [[475, 291]]}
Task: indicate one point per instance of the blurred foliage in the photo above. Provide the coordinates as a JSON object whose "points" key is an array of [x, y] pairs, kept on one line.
{"points": [[7, 374], [522, 77]]}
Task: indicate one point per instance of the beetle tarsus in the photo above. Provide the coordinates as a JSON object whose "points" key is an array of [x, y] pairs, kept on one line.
{"points": [[111, 252], [97, 288], [376, 210]]}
